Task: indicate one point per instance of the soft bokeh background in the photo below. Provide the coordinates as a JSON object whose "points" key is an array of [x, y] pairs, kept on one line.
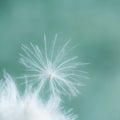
{"points": [[94, 24]]}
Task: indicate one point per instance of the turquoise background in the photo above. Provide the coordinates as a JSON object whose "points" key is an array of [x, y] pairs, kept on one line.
{"points": [[93, 24]]}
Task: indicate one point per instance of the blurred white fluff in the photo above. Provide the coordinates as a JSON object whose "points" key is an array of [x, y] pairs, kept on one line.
{"points": [[14, 106]]}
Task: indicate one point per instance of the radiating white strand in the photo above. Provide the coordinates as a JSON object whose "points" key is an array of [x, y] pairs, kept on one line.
{"points": [[60, 72], [53, 47]]}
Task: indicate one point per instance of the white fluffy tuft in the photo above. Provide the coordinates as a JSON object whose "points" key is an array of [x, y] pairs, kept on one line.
{"points": [[14, 106]]}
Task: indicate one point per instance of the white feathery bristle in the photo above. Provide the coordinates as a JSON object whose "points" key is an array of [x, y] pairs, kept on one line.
{"points": [[14, 106], [52, 70]]}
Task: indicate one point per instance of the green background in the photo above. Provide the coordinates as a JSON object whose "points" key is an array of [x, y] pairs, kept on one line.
{"points": [[93, 24]]}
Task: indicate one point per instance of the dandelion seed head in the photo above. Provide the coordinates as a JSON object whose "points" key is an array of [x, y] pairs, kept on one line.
{"points": [[52, 68]]}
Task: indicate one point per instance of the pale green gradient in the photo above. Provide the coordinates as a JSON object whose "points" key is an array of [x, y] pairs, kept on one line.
{"points": [[93, 24]]}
